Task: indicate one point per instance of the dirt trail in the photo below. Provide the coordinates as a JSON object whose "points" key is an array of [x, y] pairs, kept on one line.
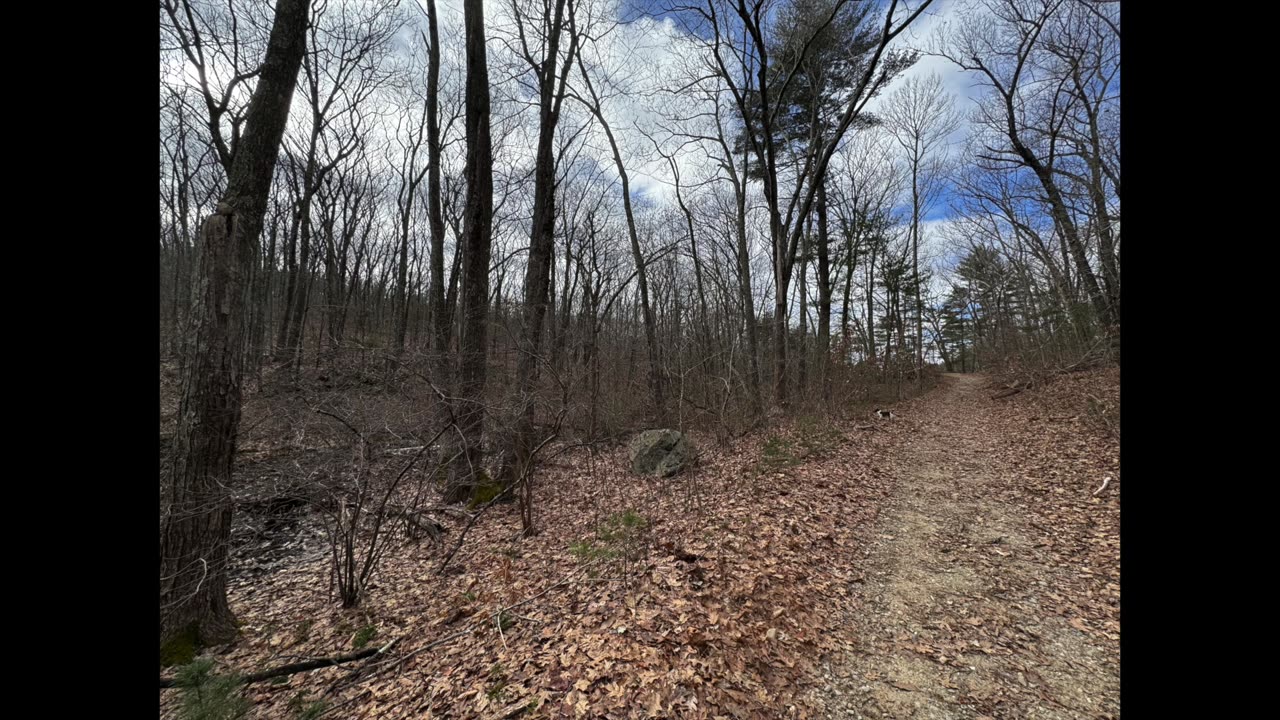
{"points": [[961, 610]]}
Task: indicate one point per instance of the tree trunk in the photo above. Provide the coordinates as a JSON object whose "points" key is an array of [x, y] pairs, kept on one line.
{"points": [[440, 319], [824, 293], [302, 288], [195, 532], [871, 306], [748, 297], [802, 352], [478, 234], [402, 272], [915, 265], [537, 281]]}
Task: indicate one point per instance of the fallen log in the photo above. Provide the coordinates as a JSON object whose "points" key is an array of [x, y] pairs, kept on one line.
{"points": [[304, 666]]}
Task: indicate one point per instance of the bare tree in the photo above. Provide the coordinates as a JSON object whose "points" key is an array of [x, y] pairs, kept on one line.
{"points": [[551, 74], [759, 99], [921, 116], [591, 99], [1004, 43], [196, 528], [343, 70], [478, 238]]}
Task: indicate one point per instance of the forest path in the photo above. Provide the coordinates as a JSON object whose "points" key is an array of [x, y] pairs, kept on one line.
{"points": [[962, 613]]}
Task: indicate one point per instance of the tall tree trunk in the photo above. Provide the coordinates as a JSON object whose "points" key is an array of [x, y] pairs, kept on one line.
{"points": [[871, 305], [802, 352], [402, 273], [537, 279], [262, 296], [824, 293], [196, 530], [704, 327], [301, 285], [290, 286], [1106, 237], [440, 319], [746, 293], [915, 265], [455, 279], [478, 235]]}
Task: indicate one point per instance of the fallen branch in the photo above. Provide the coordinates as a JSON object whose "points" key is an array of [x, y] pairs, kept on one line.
{"points": [[303, 666], [451, 510], [400, 661], [419, 517], [1006, 393], [417, 527]]}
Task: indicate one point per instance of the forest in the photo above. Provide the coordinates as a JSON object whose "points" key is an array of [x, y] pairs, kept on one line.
{"points": [[638, 358]]}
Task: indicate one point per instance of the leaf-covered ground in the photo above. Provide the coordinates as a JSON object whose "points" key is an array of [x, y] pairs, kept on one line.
{"points": [[952, 562]]}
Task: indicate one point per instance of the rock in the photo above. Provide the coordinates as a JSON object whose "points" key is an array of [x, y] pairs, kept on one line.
{"points": [[660, 452]]}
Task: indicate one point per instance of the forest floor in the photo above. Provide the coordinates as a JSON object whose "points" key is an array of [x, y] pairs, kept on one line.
{"points": [[954, 562]]}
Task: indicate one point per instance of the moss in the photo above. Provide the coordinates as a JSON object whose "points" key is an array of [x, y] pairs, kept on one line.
{"points": [[362, 638], [498, 674], [777, 452], [181, 648], [486, 490]]}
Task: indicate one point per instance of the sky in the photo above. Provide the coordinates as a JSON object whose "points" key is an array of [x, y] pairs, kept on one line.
{"points": [[654, 38], [644, 54], [661, 42]]}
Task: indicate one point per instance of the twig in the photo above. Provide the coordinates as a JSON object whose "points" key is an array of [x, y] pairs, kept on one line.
{"points": [[1105, 483], [395, 664], [424, 648]]}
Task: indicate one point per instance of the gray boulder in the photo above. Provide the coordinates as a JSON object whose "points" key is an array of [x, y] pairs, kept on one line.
{"points": [[660, 452]]}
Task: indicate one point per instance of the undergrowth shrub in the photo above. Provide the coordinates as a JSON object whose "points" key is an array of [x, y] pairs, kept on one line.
{"points": [[209, 696], [623, 537]]}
